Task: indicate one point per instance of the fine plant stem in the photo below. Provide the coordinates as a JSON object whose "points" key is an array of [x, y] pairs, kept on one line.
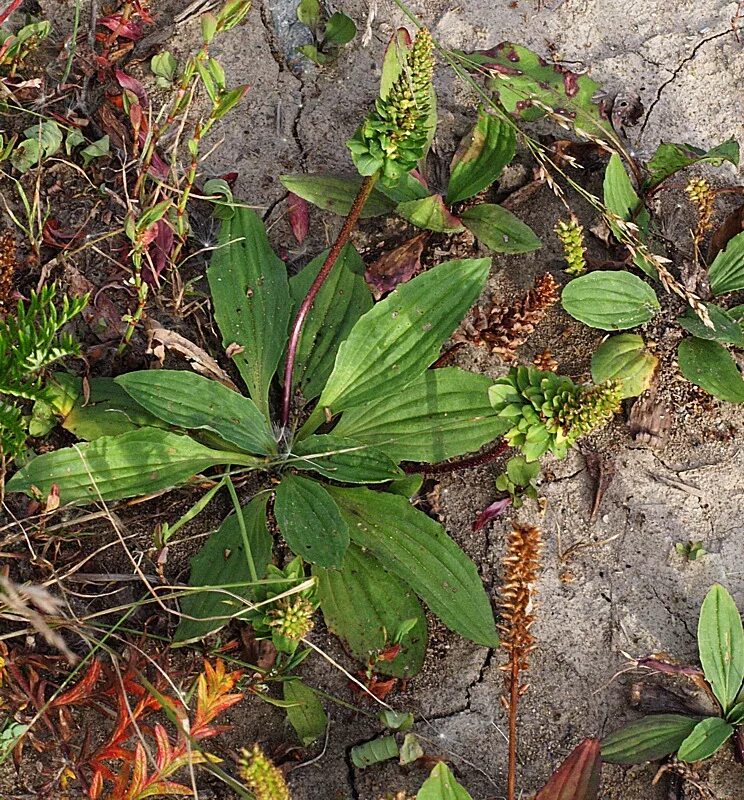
{"points": [[243, 531], [511, 779], [470, 462], [299, 322]]}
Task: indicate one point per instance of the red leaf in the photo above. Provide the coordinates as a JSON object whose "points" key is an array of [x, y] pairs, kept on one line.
{"points": [[128, 83], [160, 247], [131, 29], [54, 236], [491, 512], [397, 266], [299, 216], [578, 776], [82, 690]]}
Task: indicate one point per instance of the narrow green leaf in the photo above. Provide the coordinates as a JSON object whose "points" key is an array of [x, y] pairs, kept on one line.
{"points": [[140, 462], [648, 739], [334, 193], [375, 752], [710, 366], [726, 273], [344, 460], [441, 785], [340, 29], [395, 55], [707, 737], [736, 715], [306, 714], [221, 564], [669, 158], [364, 604], [394, 342], [430, 213], [624, 358], [419, 551], [310, 521], [443, 413], [483, 154], [190, 401], [341, 301], [721, 645], [610, 300], [725, 327], [499, 230], [251, 300]]}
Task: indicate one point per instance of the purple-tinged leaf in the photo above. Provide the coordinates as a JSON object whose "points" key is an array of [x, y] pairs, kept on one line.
{"points": [[496, 509], [397, 266], [578, 776], [299, 216]]}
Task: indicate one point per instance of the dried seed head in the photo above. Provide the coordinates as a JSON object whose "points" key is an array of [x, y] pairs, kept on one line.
{"points": [[571, 236], [503, 329], [261, 776], [7, 269], [545, 362], [703, 197], [521, 568]]}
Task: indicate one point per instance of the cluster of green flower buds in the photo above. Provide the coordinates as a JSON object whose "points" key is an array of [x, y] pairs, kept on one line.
{"points": [[571, 236], [261, 776]]}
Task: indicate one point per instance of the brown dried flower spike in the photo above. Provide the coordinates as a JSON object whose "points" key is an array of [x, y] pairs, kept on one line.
{"points": [[7, 269], [503, 329]]}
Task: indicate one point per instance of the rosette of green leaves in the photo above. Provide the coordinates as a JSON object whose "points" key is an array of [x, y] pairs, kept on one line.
{"points": [[550, 412]]}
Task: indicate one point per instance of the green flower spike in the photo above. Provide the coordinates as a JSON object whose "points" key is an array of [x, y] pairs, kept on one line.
{"points": [[393, 137], [571, 236], [549, 411], [293, 619], [261, 776]]}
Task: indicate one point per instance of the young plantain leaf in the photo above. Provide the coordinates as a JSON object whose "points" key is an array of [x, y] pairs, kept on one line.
{"points": [[499, 230], [710, 366], [648, 739], [250, 293], [624, 358], [726, 273], [441, 785], [345, 460], [707, 737], [190, 401], [443, 413], [736, 715], [140, 462], [725, 327], [417, 550], [610, 301], [363, 604], [483, 154], [375, 752], [310, 521], [221, 564], [394, 342], [670, 158], [721, 645], [341, 301], [335, 193], [578, 776], [306, 714], [430, 213]]}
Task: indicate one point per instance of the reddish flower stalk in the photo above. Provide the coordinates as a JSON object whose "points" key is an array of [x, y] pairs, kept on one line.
{"points": [[299, 322], [469, 462]]}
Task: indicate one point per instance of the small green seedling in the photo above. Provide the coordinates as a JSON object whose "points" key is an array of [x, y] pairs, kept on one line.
{"points": [[692, 551], [519, 480], [330, 34]]}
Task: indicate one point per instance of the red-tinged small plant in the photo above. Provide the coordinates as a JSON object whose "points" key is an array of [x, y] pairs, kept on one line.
{"points": [[578, 776]]}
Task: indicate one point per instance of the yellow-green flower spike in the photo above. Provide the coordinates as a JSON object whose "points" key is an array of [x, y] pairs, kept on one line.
{"points": [[571, 236], [393, 138], [261, 776], [293, 619]]}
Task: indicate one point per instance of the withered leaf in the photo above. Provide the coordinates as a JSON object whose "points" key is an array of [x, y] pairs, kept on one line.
{"points": [[397, 266]]}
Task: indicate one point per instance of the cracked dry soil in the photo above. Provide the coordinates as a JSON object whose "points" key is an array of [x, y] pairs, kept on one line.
{"points": [[610, 587]]}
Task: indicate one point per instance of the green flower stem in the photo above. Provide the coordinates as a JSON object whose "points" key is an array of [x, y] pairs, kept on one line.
{"points": [[299, 322], [243, 531]]}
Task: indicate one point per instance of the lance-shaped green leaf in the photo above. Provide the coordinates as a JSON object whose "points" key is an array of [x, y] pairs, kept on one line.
{"points": [[137, 463], [336, 193], [499, 230], [443, 413], [222, 565], [364, 604], [418, 550], [624, 358], [430, 213], [310, 521], [305, 714], [441, 785], [483, 153], [341, 301], [725, 327], [670, 158], [344, 460], [251, 300], [721, 645], [192, 402], [394, 342], [578, 776], [648, 739], [707, 737], [710, 366], [736, 715], [375, 752], [610, 300], [726, 273]]}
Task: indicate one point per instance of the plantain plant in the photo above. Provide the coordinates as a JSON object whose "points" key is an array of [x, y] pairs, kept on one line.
{"points": [[338, 395]]}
